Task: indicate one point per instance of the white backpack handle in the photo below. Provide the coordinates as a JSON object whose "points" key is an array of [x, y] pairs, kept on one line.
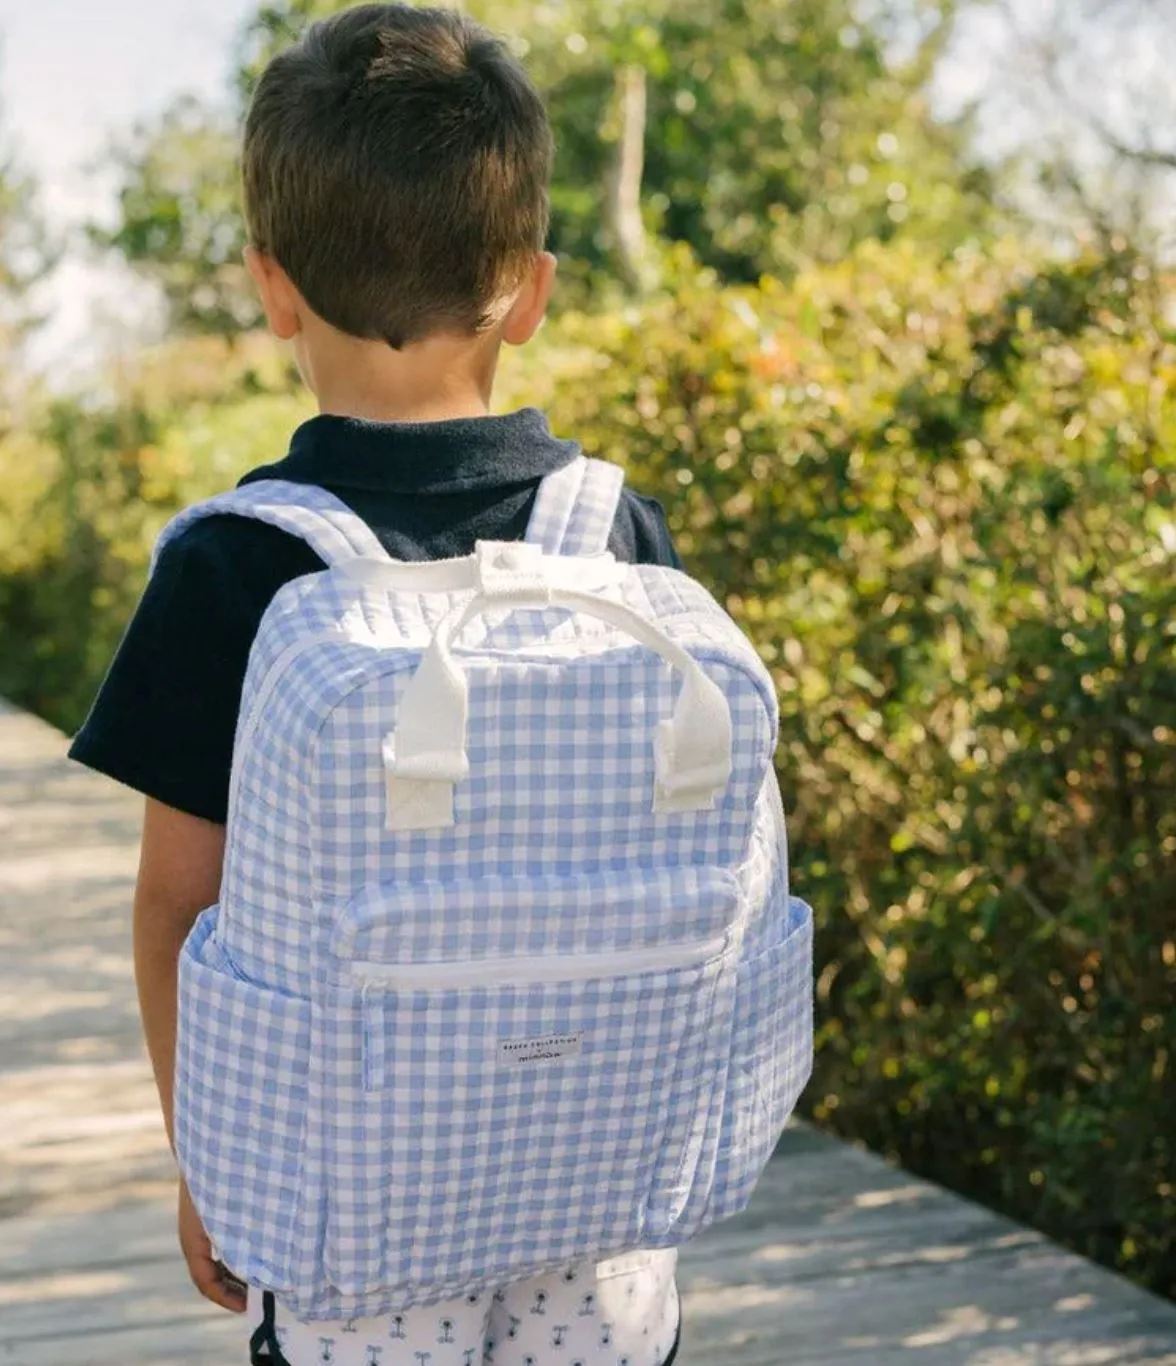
{"points": [[425, 757]]}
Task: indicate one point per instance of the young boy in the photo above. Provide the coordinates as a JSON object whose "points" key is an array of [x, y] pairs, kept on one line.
{"points": [[396, 164]]}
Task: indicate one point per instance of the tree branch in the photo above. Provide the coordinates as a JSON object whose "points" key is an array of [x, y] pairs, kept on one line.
{"points": [[623, 203], [1048, 62]]}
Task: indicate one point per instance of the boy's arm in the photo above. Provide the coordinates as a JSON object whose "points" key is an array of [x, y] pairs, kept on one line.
{"points": [[640, 534], [179, 875]]}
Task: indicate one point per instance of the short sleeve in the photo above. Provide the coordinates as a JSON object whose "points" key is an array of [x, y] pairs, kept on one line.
{"points": [[640, 534], [165, 718]]}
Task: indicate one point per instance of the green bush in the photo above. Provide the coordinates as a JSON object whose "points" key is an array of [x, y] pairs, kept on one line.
{"points": [[940, 500], [83, 497], [939, 497]]}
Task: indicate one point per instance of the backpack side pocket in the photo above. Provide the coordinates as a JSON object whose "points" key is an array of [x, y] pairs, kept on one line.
{"points": [[772, 1057], [240, 1108]]}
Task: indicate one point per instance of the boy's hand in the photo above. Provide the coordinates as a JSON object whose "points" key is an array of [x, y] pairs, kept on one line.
{"points": [[209, 1276]]}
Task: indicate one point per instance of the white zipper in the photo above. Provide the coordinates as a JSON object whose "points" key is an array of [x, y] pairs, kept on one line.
{"points": [[528, 971]]}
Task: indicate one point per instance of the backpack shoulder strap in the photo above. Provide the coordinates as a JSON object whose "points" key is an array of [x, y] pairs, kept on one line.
{"points": [[576, 507], [324, 522]]}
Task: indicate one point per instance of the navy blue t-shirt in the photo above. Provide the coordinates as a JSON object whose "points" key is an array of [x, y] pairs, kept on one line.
{"points": [[165, 717]]}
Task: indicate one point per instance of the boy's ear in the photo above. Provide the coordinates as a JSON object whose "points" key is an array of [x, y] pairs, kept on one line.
{"points": [[279, 298], [526, 313]]}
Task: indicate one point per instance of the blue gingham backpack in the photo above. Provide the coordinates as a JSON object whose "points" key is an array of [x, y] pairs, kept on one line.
{"points": [[505, 973]]}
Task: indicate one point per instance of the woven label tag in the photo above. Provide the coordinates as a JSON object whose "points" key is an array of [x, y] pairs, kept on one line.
{"points": [[549, 1048]]}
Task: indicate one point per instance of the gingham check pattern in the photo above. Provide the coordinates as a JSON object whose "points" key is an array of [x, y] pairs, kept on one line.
{"points": [[312, 514], [244, 1106], [358, 1147], [576, 507]]}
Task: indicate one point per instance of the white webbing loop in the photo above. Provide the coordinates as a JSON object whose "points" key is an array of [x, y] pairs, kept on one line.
{"points": [[425, 758]]}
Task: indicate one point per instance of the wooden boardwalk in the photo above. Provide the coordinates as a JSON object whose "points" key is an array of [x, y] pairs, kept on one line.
{"points": [[841, 1261]]}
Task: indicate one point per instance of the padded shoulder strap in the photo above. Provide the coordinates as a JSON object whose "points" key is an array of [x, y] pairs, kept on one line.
{"points": [[312, 514], [576, 508]]}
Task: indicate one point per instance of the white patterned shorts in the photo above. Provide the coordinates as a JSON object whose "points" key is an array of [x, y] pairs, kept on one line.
{"points": [[623, 1312]]}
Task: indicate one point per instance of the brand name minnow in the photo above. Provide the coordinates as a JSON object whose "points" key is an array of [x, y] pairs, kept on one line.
{"points": [[546, 1049]]}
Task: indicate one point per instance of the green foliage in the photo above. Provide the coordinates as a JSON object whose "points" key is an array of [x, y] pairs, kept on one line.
{"points": [[179, 219], [27, 253], [85, 489], [777, 134], [941, 501]]}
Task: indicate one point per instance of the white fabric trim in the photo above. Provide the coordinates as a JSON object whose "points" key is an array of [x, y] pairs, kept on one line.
{"points": [[315, 516], [480, 571], [576, 507]]}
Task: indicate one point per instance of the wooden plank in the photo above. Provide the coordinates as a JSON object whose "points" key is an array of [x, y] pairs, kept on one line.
{"points": [[35, 1247], [832, 1284], [103, 1302], [841, 1260], [68, 843], [77, 1135], [181, 1343]]}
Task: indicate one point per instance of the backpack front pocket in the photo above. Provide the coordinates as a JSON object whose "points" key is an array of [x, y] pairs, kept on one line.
{"points": [[493, 1114], [241, 1108]]}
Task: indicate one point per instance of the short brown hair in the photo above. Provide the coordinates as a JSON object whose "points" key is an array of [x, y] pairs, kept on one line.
{"points": [[396, 166]]}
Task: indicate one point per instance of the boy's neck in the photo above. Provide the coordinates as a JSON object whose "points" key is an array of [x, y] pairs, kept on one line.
{"points": [[434, 380], [382, 405]]}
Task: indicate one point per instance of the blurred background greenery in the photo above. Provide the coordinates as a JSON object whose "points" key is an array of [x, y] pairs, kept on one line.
{"points": [[909, 404]]}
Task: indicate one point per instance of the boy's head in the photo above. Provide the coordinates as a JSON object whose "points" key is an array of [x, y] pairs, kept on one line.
{"points": [[396, 165]]}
